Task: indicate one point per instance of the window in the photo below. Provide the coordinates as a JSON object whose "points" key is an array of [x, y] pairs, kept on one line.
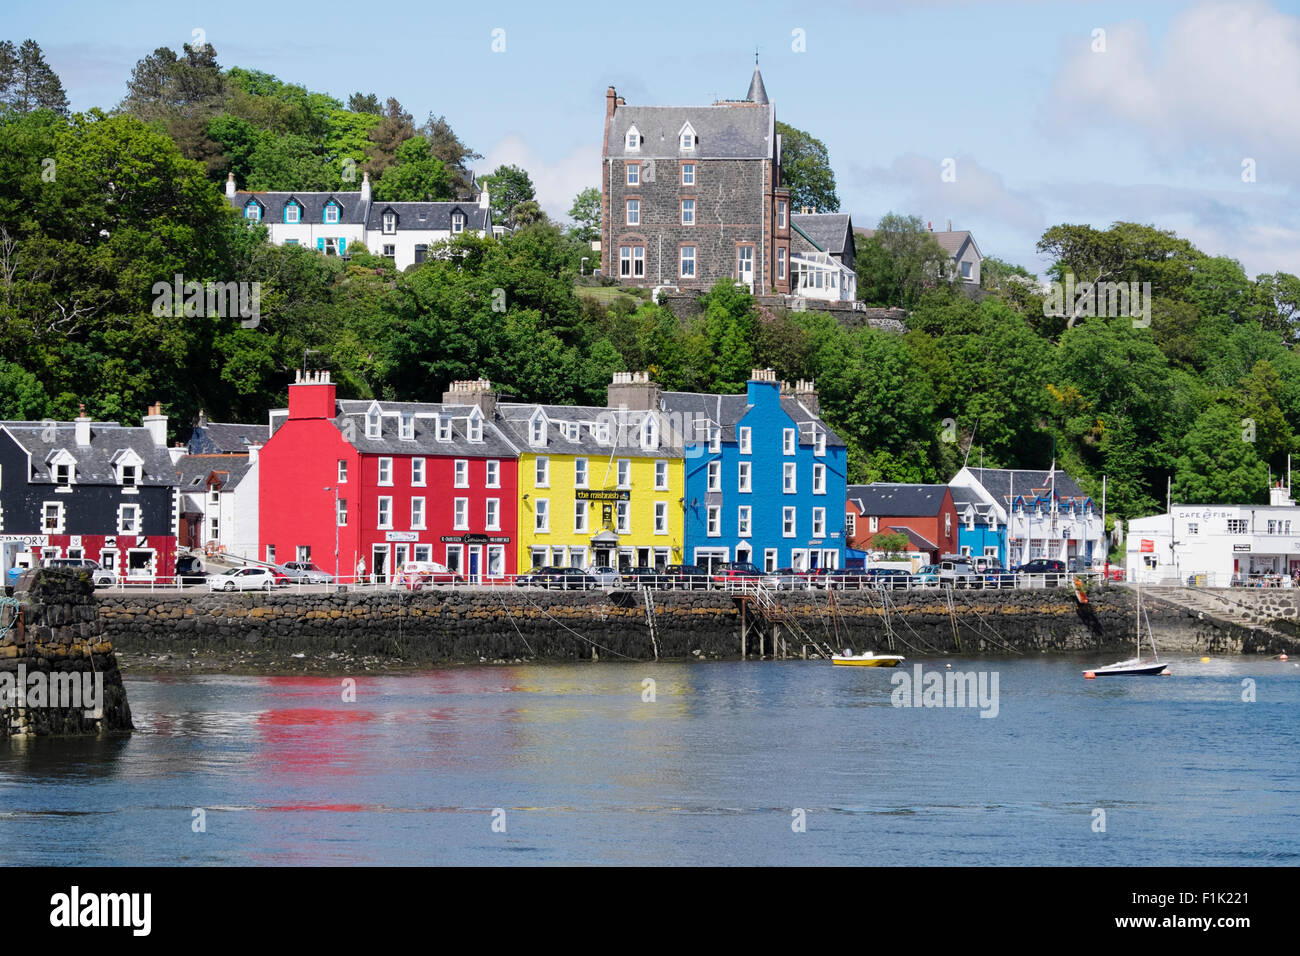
{"points": [[542, 473], [291, 242], [372, 423], [631, 262], [780, 263], [542, 515], [742, 521], [417, 513], [343, 471], [622, 518], [474, 429], [580, 509], [444, 429], [496, 560], [788, 472], [537, 431], [819, 522], [819, 443], [341, 513], [492, 514], [406, 427], [634, 174], [292, 213], [1193, 527], [331, 214], [745, 437], [634, 212], [780, 214], [715, 476], [385, 471], [390, 223], [385, 513], [850, 524], [715, 438], [421, 253], [493, 475], [787, 442], [714, 527], [661, 517], [650, 433], [461, 473], [457, 222], [661, 476], [819, 479], [787, 523], [633, 139], [572, 431], [63, 474], [624, 473], [417, 471], [744, 471], [128, 519], [688, 174], [580, 473], [390, 251], [965, 270], [970, 520], [687, 267], [602, 433], [1238, 526], [688, 138], [52, 518], [460, 514], [253, 211], [873, 524], [688, 212]]}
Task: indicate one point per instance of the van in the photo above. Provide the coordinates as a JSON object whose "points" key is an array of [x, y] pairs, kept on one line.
{"points": [[957, 571]]}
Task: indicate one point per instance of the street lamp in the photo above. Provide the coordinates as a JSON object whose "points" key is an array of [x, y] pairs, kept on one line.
{"points": [[335, 489]]}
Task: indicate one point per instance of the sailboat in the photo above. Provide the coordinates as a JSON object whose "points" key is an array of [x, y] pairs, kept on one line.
{"points": [[1135, 666]]}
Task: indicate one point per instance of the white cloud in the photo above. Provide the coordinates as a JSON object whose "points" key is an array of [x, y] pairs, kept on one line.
{"points": [[556, 182]]}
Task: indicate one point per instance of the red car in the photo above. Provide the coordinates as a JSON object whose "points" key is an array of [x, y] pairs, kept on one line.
{"points": [[734, 572]]}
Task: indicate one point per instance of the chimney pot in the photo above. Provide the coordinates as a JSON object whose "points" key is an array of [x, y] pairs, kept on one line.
{"points": [[230, 186]]}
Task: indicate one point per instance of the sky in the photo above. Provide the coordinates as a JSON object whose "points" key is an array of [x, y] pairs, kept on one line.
{"points": [[1184, 115]]}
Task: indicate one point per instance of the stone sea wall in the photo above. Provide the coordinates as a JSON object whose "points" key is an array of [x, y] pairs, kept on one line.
{"points": [[58, 645], [444, 625]]}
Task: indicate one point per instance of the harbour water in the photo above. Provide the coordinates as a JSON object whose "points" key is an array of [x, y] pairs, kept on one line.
{"points": [[575, 765]]}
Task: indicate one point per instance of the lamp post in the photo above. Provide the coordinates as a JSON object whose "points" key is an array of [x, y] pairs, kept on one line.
{"points": [[335, 489]]}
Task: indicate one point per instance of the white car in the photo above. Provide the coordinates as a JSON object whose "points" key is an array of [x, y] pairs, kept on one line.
{"points": [[606, 577], [243, 579]]}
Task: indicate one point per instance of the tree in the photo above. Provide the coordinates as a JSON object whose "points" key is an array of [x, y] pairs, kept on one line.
{"points": [[806, 171], [899, 262], [585, 213], [393, 130], [454, 154], [417, 176], [507, 187], [163, 84], [26, 81], [365, 103], [893, 543], [1217, 464]]}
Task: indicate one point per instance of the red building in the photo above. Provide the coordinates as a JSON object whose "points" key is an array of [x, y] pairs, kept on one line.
{"points": [[925, 514], [396, 481]]}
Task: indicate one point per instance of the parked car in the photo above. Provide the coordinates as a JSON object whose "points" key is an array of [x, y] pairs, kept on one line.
{"points": [[786, 579], [641, 576], [606, 577], [731, 573], [685, 576], [535, 577], [570, 579], [1053, 572], [243, 579], [889, 579], [419, 574], [926, 576], [98, 576], [957, 573], [304, 572], [841, 579], [996, 576], [190, 570]]}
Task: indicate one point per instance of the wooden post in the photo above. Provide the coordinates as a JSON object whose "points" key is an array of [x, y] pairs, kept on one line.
{"points": [[743, 628], [762, 644]]}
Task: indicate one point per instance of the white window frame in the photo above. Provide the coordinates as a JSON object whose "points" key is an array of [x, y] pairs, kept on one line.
{"points": [[622, 517], [444, 429], [819, 522], [385, 472], [686, 264], [713, 480], [819, 479], [492, 514], [789, 522], [745, 439], [624, 473], [581, 515], [688, 179], [745, 476], [790, 478], [542, 472], [661, 476], [633, 177], [661, 517], [418, 473], [789, 441], [418, 514], [688, 220], [493, 476], [384, 512], [744, 521], [542, 516], [460, 473], [581, 473], [632, 212], [343, 471], [460, 514], [713, 521]]}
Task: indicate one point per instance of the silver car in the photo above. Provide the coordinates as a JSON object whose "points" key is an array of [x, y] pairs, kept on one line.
{"points": [[606, 577], [100, 577], [304, 572], [243, 579]]}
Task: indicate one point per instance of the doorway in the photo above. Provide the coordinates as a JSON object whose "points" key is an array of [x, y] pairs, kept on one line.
{"points": [[379, 563]]}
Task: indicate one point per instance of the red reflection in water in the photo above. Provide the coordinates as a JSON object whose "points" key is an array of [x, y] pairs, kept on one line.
{"points": [[302, 739]]}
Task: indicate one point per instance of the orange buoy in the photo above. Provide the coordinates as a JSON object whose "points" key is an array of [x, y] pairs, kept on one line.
{"points": [[1282, 657], [1089, 675]]}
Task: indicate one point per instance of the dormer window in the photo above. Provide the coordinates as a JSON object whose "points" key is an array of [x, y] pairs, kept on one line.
{"points": [[292, 213], [602, 433], [406, 429], [253, 211], [650, 433], [457, 222], [633, 140], [687, 137], [571, 431], [373, 422], [537, 431], [331, 213], [475, 428], [444, 429], [63, 474], [130, 476], [390, 223]]}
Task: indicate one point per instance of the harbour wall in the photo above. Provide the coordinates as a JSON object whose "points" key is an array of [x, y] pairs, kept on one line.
{"points": [[470, 625]]}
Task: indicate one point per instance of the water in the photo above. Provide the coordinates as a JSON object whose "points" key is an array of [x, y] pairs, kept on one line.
{"points": [[709, 773]]}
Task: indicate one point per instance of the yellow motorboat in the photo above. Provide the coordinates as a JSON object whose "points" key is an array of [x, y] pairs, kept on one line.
{"points": [[867, 659]]}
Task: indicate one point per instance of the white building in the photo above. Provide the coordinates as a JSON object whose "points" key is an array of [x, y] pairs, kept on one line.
{"points": [[1226, 544], [333, 222], [218, 487]]}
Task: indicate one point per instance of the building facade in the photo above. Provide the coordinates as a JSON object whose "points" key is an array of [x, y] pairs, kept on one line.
{"points": [[217, 476], [333, 222], [979, 532], [924, 514], [765, 476], [823, 257], [390, 482], [693, 194], [86, 489], [1217, 545]]}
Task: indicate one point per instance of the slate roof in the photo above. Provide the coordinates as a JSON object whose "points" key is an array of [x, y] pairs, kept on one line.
{"points": [[829, 230], [726, 411], [757, 92], [421, 216], [723, 132], [96, 461], [950, 241], [625, 431], [192, 471], [898, 500], [962, 496], [352, 414], [220, 438], [999, 485], [352, 211], [914, 539]]}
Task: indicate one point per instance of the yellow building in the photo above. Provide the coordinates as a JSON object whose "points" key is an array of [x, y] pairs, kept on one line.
{"points": [[597, 486]]}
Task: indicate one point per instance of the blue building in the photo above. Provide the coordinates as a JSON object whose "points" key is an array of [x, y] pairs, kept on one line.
{"points": [[765, 476], [980, 531]]}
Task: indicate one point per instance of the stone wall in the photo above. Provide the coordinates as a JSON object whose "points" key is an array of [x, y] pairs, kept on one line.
{"points": [[444, 625], [58, 639]]}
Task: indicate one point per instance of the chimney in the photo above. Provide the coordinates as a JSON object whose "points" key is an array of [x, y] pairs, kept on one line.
{"points": [[365, 187], [156, 422], [762, 387], [611, 101], [253, 451], [950, 225], [311, 395], [806, 393], [472, 392], [484, 202], [930, 226], [82, 424], [619, 102], [230, 186], [633, 391], [1280, 496], [177, 452]]}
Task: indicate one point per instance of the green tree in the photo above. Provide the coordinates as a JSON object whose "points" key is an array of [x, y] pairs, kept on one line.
{"points": [[806, 170], [585, 213], [507, 186], [456, 157], [27, 82], [899, 262], [417, 176], [1217, 464]]}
